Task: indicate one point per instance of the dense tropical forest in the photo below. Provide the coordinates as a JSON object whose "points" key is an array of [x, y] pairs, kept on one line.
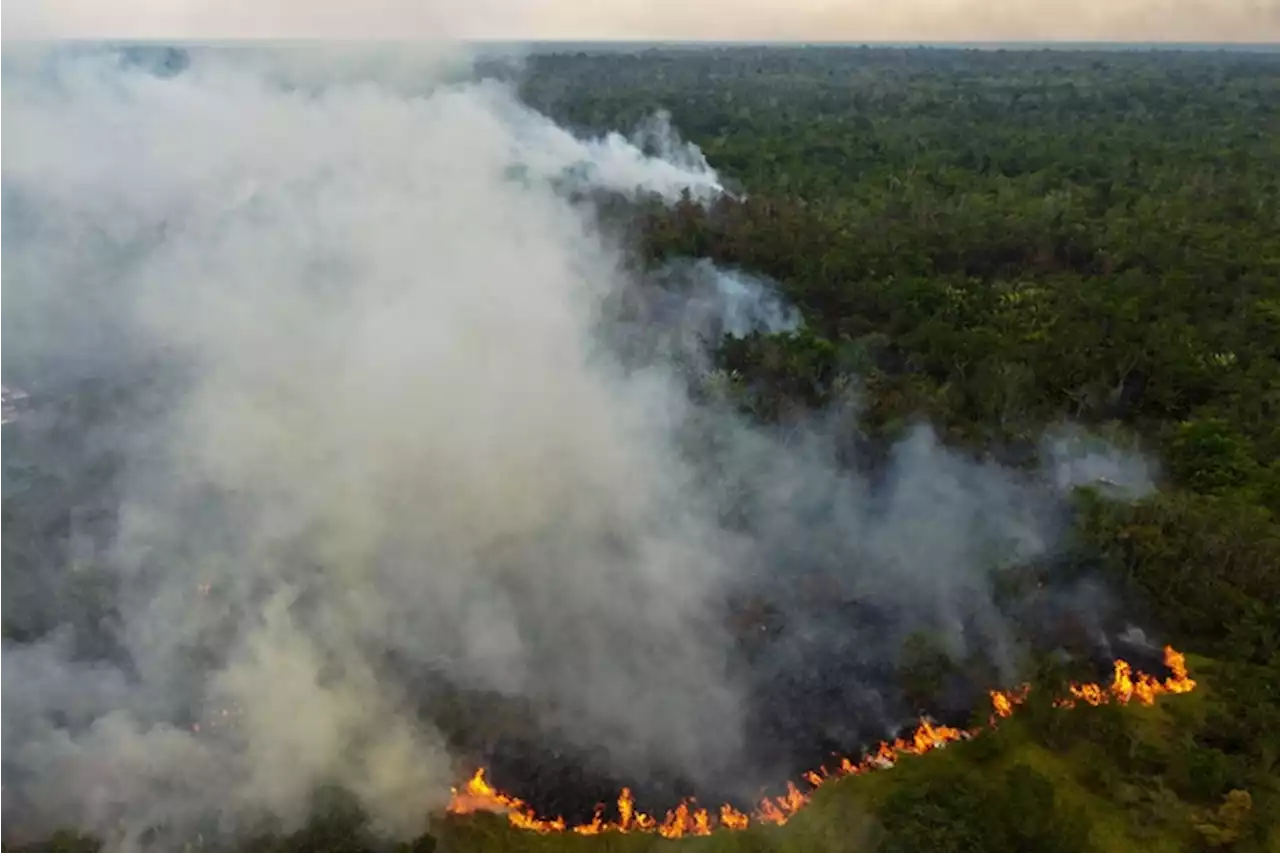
{"points": [[996, 242]]}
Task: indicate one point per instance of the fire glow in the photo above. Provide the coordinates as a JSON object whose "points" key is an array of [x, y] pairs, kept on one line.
{"points": [[688, 818]]}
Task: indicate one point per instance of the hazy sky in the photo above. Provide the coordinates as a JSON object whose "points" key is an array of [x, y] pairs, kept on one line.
{"points": [[847, 20]]}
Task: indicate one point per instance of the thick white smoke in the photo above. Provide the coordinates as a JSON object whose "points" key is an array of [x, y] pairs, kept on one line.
{"points": [[393, 431]]}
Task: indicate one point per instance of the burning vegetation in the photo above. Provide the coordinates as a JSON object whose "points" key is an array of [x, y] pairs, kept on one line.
{"points": [[690, 818]]}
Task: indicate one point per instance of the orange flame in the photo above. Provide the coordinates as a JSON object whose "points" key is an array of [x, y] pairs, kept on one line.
{"points": [[688, 818], [1125, 686]]}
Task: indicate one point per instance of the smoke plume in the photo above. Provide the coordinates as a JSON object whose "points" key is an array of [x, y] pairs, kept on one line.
{"points": [[374, 420]]}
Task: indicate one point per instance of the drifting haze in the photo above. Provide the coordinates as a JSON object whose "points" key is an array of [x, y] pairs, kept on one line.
{"points": [[388, 434], [767, 20]]}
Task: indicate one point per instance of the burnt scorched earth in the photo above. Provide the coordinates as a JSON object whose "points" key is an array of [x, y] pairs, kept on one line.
{"points": [[827, 675]]}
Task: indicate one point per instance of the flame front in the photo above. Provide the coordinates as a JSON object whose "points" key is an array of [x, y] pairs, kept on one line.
{"points": [[1126, 686], [688, 818]]}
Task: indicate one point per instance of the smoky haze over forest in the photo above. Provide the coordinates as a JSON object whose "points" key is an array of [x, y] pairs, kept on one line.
{"points": [[400, 411], [719, 20]]}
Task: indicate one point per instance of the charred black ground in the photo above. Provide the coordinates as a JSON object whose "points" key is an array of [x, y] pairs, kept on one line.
{"points": [[820, 690]]}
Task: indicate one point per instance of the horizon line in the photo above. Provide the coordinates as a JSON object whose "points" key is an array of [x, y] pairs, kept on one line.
{"points": [[498, 46]]}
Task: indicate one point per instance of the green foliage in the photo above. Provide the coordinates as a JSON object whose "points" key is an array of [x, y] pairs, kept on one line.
{"points": [[1211, 457], [1209, 564], [1225, 826], [958, 810]]}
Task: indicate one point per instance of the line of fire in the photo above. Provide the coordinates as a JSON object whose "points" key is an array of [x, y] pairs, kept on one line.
{"points": [[689, 818]]}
